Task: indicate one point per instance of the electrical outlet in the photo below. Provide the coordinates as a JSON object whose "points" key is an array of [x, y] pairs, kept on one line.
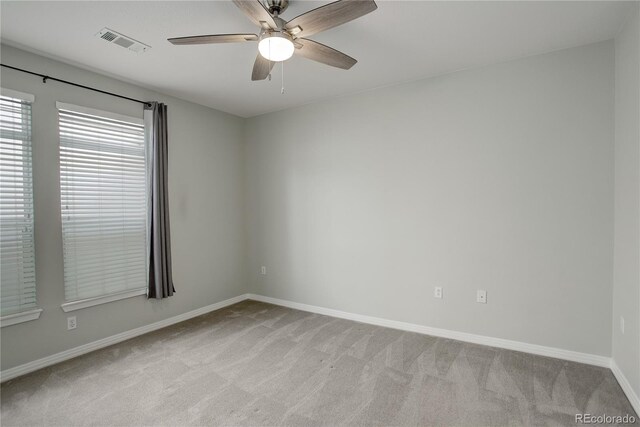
{"points": [[72, 323], [437, 292], [622, 325], [481, 296], [263, 270]]}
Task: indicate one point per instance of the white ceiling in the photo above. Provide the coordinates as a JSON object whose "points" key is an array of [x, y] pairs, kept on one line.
{"points": [[401, 41]]}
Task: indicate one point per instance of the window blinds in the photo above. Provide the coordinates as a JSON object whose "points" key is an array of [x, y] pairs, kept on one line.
{"points": [[17, 268], [103, 198]]}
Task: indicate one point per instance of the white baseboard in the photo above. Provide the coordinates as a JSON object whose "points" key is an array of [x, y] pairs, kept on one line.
{"points": [[557, 353], [445, 333], [17, 371], [626, 386]]}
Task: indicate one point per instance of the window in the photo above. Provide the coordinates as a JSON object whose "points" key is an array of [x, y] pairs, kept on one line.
{"points": [[104, 205], [17, 269]]}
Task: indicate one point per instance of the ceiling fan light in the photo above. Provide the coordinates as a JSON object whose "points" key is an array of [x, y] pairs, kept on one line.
{"points": [[276, 47]]}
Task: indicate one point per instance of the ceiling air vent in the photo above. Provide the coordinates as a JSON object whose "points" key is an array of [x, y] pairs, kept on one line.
{"points": [[122, 40]]}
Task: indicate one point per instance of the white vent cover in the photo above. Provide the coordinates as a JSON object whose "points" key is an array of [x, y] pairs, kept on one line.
{"points": [[122, 40]]}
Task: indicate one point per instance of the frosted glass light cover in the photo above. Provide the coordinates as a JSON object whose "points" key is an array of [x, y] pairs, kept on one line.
{"points": [[276, 48]]}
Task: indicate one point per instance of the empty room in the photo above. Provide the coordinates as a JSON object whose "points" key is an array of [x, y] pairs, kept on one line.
{"points": [[316, 213]]}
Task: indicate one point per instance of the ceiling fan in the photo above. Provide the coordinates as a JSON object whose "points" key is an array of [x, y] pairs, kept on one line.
{"points": [[280, 39]]}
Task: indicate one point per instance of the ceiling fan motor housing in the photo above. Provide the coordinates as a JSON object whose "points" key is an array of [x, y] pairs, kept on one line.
{"points": [[276, 7]]}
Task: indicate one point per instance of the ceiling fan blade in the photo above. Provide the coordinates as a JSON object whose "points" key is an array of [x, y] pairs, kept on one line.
{"points": [[261, 68], [324, 54], [329, 16], [214, 38], [255, 10]]}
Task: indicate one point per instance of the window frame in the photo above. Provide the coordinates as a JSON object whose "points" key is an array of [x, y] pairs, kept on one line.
{"points": [[34, 312], [73, 305]]}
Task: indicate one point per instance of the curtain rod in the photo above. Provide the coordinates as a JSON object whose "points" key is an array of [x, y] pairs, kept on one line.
{"points": [[45, 78]]}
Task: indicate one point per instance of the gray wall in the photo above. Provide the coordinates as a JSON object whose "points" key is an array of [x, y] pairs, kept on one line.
{"points": [[626, 287], [205, 187], [499, 178]]}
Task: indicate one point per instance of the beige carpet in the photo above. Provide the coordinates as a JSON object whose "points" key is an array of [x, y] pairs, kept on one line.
{"points": [[258, 364]]}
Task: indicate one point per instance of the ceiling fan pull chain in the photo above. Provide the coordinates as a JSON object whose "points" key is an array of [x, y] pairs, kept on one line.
{"points": [[282, 88], [270, 67]]}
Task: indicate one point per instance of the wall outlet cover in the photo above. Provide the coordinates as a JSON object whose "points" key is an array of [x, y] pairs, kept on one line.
{"points": [[481, 296], [72, 323], [437, 292]]}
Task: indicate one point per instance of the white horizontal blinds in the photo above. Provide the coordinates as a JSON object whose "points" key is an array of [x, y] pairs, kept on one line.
{"points": [[103, 197], [17, 269]]}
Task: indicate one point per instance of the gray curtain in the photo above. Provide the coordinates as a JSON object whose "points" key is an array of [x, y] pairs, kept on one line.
{"points": [[158, 232]]}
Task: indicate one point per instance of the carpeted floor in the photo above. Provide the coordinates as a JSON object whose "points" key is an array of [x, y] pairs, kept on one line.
{"points": [[258, 364]]}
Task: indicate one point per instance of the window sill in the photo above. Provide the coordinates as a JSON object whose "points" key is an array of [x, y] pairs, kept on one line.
{"points": [[25, 316], [90, 302]]}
